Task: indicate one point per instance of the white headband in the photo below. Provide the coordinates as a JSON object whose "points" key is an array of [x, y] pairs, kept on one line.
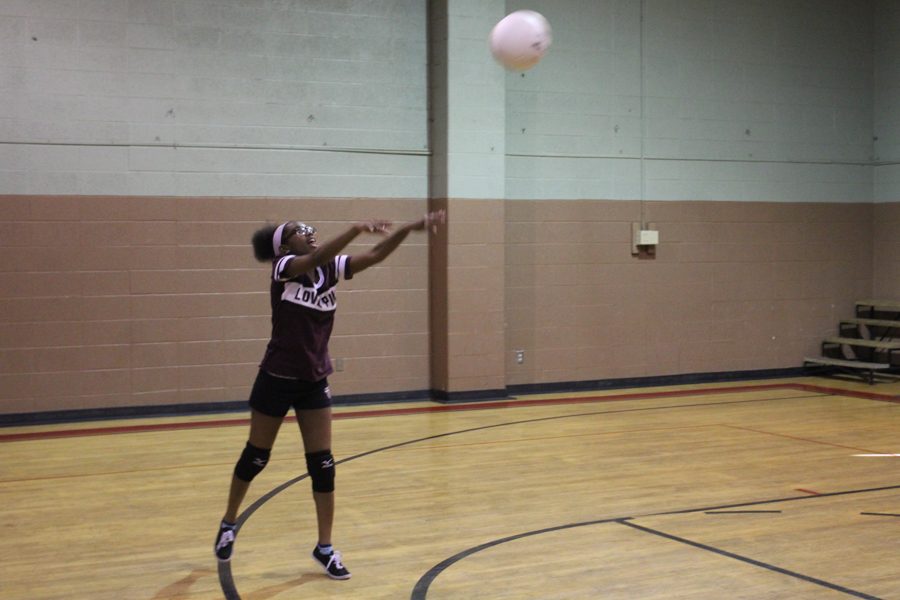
{"points": [[276, 237]]}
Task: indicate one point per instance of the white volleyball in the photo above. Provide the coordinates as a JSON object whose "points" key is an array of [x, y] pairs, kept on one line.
{"points": [[520, 39]]}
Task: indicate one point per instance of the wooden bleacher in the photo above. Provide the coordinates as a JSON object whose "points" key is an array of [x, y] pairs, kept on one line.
{"points": [[873, 306], [873, 322], [868, 344], [889, 347]]}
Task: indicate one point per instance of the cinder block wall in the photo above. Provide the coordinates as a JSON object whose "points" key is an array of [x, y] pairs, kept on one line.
{"points": [[141, 143], [136, 301], [734, 286], [144, 142]]}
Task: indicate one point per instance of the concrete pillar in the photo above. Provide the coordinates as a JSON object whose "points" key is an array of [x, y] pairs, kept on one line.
{"points": [[467, 120]]}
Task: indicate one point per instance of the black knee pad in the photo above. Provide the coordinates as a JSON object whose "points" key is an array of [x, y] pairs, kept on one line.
{"points": [[321, 470], [252, 461]]}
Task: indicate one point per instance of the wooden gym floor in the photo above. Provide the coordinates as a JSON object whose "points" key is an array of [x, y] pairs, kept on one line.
{"points": [[762, 489]]}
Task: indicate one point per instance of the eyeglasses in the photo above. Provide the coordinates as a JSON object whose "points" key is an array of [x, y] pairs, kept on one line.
{"points": [[302, 229]]}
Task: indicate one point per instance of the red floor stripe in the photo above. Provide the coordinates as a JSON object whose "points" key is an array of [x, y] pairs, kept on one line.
{"points": [[806, 387], [67, 433], [801, 439]]}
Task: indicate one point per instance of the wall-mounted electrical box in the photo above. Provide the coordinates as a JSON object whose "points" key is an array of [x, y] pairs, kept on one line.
{"points": [[644, 239]]}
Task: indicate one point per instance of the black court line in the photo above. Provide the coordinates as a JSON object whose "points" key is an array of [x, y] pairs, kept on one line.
{"points": [[226, 580], [421, 588], [773, 501], [874, 514], [740, 512], [756, 563]]}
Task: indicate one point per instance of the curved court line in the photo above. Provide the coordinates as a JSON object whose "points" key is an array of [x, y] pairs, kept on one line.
{"points": [[226, 579], [421, 588]]}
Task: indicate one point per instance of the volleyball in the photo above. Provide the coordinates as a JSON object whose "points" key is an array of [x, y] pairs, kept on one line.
{"points": [[520, 39]]}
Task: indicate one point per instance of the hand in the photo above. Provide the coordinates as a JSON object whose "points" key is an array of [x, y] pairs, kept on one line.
{"points": [[378, 226], [431, 221]]}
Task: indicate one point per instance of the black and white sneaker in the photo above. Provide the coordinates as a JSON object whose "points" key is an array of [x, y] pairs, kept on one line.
{"points": [[224, 542], [331, 563]]}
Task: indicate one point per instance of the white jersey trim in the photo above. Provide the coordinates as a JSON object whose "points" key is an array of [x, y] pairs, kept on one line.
{"points": [[341, 265], [314, 296], [280, 265]]}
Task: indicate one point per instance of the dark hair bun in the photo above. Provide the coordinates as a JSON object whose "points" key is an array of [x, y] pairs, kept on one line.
{"points": [[262, 243]]}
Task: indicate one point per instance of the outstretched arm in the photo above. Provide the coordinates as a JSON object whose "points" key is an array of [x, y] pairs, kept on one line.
{"points": [[329, 249], [381, 250]]}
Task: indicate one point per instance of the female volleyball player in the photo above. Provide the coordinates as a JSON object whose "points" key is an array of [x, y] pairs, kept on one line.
{"points": [[295, 367]]}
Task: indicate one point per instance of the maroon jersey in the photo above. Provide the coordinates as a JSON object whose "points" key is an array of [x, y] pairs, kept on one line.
{"points": [[302, 318]]}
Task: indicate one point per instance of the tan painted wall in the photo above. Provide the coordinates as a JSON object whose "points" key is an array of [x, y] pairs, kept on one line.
{"points": [[117, 302], [734, 286], [470, 324], [886, 236], [112, 302]]}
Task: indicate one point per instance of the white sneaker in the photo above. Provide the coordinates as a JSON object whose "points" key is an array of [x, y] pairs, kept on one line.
{"points": [[331, 563]]}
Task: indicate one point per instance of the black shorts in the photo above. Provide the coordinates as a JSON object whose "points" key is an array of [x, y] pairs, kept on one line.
{"points": [[273, 395]]}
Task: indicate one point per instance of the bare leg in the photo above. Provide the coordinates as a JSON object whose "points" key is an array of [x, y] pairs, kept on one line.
{"points": [[315, 428], [263, 430]]}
